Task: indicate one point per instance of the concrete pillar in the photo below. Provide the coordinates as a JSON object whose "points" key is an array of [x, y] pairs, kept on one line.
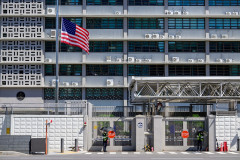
{"points": [[140, 137], [212, 133], [158, 133]]}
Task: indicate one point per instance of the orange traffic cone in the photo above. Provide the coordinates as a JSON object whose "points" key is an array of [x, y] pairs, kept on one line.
{"points": [[221, 148]]}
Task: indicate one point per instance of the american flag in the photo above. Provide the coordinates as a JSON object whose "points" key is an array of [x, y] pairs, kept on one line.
{"points": [[74, 35]]}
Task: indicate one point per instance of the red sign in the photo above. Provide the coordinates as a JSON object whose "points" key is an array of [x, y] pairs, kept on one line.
{"points": [[111, 134], [185, 134]]}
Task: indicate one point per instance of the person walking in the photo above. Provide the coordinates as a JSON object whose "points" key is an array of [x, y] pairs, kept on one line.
{"points": [[199, 141], [105, 140]]}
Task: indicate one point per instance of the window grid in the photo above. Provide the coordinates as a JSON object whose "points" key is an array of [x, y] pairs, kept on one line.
{"points": [[104, 70], [50, 46], [224, 2], [64, 2], [104, 23], [224, 23], [104, 93], [145, 23], [105, 2], [145, 46], [184, 23], [225, 47], [101, 46], [145, 2], [186, 46], [50, 22], [64, 93], [224, 70], [70, 70], [187, 70], [186, 2], [145, 70]]}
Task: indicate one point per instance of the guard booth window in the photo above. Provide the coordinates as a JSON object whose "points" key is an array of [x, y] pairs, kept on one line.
{"points": [[173, 133], [97, 138], [194, 127]]}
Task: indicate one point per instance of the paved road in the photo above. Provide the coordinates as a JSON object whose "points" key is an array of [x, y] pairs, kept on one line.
{"points": [[131, 156]]}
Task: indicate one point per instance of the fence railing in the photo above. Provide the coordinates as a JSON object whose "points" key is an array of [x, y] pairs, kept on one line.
{"points": [[114, 111]]}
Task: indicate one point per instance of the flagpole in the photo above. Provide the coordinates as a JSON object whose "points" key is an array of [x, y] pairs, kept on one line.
{"points": [[57, 49]]}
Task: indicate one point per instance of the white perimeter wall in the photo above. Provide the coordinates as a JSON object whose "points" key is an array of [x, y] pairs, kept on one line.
{"points": [[63, 126], [2, 130], [227, 130]]}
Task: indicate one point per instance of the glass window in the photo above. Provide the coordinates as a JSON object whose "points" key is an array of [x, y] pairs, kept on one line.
{"points": [[103, 46], [104, 70], [184, 23], [224, 70], [186, 2], [225, 47], [50, 23], [145, 23], [123, 133], [193, 128], [145, 2], [104, 93], [104, 23], [224, 2], [97, 134], [70, 70], [187, 70], [145, 46], [64, 2], [105, 2], [145, 70], [186, 46], [50, 46], [50, 70], [226, 23], [173, 131], [64, 93]]}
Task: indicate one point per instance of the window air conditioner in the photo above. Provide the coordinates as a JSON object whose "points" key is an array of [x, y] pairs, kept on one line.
{"points": [[175, 59], [148, 60], [229, 60], [219, 60], [235, 13], [108, 58], [109, 82], [185, 13], [191, 60], [119, 60], [161, 36], [224, 36], [51, 11], [228, 13], [74, 83], [214, 36], [49, 60], [148, 36], [171, 36], [169, 12], [177, 12], [200, 60], [131, 59], [178, 36], [138, 60], [66, 83], [53, 82], [53, 33], [118, 12], [155, 36]]}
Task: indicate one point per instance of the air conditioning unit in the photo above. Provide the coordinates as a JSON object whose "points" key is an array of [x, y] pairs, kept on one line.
{"points": [[54, 82], [235, 13], [74, 83], [169, 12], [118, 12], [131, 59], [191, 60], [175, 59], [53, 33], [119, 60], [178, 36], [155, 36], [161, 36], [177, 12], [138, 60], [224, 36], [171, 36], [229, 60], [228, 13], [66, 83], [49, 60], [185, 13], [219, 60], [148, 36], [148, 60], [200, 60], [108, 58], [109, 82], [51, 11], [214, 36]]}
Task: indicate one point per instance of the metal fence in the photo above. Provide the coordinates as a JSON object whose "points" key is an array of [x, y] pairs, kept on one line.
{"points": [[114, 111]]}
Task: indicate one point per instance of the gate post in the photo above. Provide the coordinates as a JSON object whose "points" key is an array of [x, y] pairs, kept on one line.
{"points": [[140, 137], [212, 133], [158, 133]]}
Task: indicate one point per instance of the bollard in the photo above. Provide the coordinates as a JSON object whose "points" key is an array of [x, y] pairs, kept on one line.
{"points": [[76, 145], [62, 145]]}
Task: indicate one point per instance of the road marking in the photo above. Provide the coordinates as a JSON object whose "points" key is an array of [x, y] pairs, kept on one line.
{"points": [[149, 153], [88, 153], [160, 152], [100, 153], [197, 153], [136, 153], [172, 152], [112, 152], [220, 152], [232, 152], [124, 152], [209, 152], [184, 152]]}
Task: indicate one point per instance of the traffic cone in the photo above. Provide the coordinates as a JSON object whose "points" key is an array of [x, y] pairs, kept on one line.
{"points": [[221, 148]]}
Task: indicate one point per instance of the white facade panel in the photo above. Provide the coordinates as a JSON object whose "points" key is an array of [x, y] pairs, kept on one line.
{"points": [[101, 81], [70, 10], [231, 33], [146, 10], [224, 56], [70, 79], [221, 10], [192, 10], [102, 57], [64, 57], [140, 33], [104, 10], [105, 34], [184, 57], [67, 127], [188, 33], [155, 57]]}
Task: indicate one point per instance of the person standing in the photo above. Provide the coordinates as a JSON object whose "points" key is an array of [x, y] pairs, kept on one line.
{"points": [[105, 140], [199, 141]]}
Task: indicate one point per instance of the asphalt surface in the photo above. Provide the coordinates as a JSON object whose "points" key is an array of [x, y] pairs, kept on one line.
{"points": [[130, 156]]}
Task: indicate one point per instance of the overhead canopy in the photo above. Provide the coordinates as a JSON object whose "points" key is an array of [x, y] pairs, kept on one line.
{"points": [[184, 88]]}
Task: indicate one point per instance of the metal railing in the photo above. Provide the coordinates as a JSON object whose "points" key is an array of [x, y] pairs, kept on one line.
{"points": [[114, 111]]}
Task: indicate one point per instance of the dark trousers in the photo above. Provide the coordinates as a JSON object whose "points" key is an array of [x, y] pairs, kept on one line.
{"points": [[199, 145], [104, 146]]}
